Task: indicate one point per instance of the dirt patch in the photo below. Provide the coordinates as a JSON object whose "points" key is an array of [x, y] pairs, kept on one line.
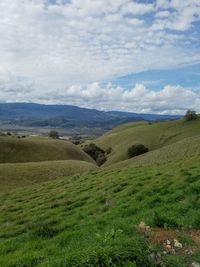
{"points": [[171, 242]]}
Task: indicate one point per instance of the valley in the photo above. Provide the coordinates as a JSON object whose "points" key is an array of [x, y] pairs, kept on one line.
{"points": [[58, 208]]}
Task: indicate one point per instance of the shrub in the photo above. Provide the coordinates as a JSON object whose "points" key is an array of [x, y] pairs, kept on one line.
{"points": [[101, 159], [108, 150], [137, 150], [54, 134], [190, 115], [98, 154]]}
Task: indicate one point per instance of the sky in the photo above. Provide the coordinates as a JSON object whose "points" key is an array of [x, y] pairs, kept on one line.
{"points": [[130, 55]]}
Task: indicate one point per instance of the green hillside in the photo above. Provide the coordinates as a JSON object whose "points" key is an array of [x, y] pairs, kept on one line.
{"points": [[186, 148], [13, 175], [89, 220], [152, 135], [36, 149]]}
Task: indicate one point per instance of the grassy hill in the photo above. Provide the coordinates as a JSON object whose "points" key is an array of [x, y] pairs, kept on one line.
{"points": [[152, 135], [33, 149], [13, 175], [90, 219], [186, 148]]}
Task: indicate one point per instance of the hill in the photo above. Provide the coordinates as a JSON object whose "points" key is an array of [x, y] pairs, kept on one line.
{"points": [[67, 116], [152, 135], [33, 149], [186, 148], [14, 175], [90, 219]]}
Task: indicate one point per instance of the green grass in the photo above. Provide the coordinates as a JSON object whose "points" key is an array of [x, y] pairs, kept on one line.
{"points": [[13, 175], [152, 135], [186, 148], [89, 219], [38, 149]]}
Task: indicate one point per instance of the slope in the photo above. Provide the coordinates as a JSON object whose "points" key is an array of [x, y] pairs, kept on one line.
{"points": [[13, 175], [38, 149], [152, 135], [186, 148], [89, 220]]}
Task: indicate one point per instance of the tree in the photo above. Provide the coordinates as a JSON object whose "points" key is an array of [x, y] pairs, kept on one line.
{"points": [[137, 150], [108, 150], [190, 115], [96, 153], [54, 134]]}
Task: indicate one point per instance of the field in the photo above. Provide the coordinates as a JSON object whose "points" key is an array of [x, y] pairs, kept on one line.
{"points": [[92, 218]]}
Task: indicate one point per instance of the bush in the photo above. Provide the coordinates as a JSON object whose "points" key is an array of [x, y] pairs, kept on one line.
{"points": [[54, 134], [108, 150], [101, 159], [137, 150], [190, 115], [98, 154]]}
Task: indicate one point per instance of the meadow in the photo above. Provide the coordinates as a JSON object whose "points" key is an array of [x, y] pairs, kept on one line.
{"points": [[92, 218]]}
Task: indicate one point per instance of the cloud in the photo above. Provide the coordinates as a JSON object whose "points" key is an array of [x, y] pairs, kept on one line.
{"points": [[182, 16], [169, 100], [86, 41], [48, 46]]}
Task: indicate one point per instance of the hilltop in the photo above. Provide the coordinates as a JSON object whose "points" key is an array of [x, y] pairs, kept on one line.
{"points": [[33, 149]]}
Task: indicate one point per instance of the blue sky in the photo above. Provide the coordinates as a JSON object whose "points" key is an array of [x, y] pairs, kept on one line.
{"points": [[187, 76], [130, 55]]}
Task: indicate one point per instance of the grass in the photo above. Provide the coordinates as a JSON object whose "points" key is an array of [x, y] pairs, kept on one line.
{"points": [[38, 149], [186, 148], [89, 219], [13, 175], [152, 135]]}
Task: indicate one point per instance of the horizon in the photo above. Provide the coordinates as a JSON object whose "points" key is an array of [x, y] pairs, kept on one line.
{"points": [[102, 110], [139, 56]]}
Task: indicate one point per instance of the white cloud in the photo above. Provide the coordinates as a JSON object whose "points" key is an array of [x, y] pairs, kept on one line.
{"points": [[46, 48], [182, 16], [136, 8], [169, 100]]}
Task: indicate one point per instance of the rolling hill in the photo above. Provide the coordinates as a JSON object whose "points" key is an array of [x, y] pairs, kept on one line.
{"points": [[152, 135], [91, 218], [186, 148], [33, 149], [29, 173]]}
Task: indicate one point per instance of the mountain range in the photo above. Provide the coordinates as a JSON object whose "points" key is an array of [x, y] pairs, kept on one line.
{"points": [[68, 116]]}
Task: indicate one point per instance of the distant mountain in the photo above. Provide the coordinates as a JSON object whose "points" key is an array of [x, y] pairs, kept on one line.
{"points": [[143, 116], [68, 116]]}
